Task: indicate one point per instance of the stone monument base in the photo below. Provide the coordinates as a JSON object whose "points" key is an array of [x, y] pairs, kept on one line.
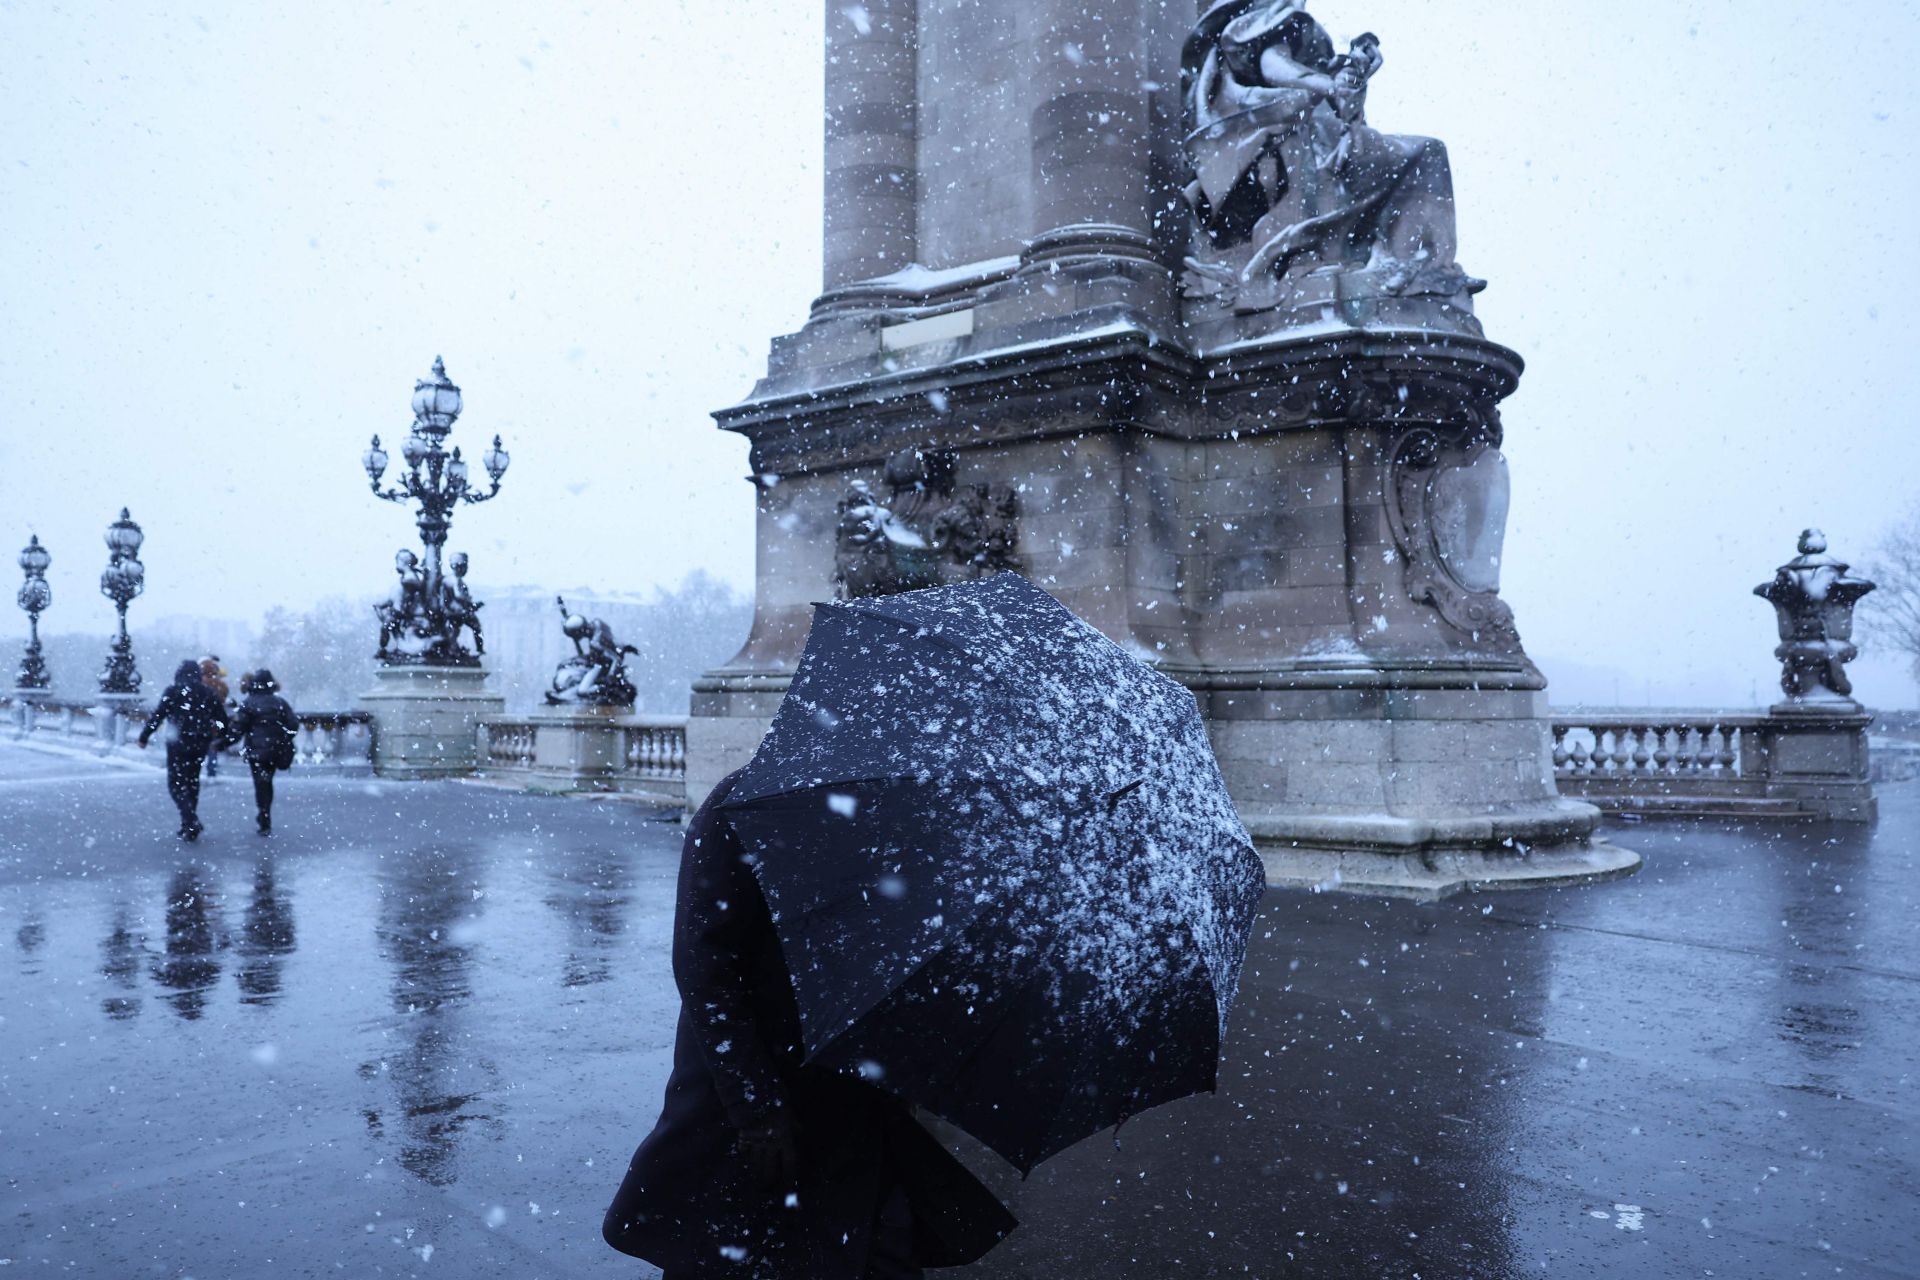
{"points": [[579, 748], [1354, 787], [1406, 782], [1435, 857], [427, 720], [1817, 758]]}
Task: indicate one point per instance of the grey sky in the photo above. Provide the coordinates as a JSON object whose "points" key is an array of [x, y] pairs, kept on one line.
{"points": [[235, 235]]}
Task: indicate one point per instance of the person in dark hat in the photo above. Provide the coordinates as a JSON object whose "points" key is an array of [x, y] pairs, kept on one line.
{"points": [[762, 1167], [195, 722], [267, 729]]}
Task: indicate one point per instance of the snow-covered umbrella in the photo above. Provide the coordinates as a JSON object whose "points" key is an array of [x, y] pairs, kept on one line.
{"points": [[1008, 879]]}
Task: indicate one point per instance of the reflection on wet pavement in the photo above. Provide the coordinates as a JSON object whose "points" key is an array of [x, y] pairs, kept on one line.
{"points": [[422, 1028]]}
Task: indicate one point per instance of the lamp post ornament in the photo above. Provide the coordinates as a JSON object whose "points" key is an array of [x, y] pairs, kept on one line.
{"points": [[421, 621], [35, 595], [122, 581]]}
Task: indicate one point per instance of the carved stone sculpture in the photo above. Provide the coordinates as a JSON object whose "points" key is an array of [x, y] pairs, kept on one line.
{"points": [[1447, 507], [596, 674], [1813, 596], [923, 533], [1289, 181], [421, 625]]}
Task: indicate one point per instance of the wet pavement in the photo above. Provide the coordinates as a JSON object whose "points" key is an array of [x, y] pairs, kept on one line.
{"points": [[420, 1029]]}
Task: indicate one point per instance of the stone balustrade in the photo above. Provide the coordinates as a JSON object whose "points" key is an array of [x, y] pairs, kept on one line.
{"points": [[590, 749], [1706, 762], [340, 741], [334, 741]]}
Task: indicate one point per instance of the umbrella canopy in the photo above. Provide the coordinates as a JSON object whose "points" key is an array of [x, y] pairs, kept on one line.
{"points": [[1008, 879]]}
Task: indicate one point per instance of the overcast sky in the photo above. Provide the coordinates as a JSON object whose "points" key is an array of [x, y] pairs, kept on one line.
{"points": [[236, 233]]}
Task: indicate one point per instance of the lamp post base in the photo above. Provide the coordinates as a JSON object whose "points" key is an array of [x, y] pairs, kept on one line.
{"points": [[427, 720]]}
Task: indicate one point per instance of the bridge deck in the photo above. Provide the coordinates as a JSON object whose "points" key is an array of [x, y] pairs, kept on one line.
{"points": [[420, 1029]]}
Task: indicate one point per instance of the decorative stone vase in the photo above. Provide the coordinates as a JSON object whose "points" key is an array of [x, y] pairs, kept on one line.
{"points": [[1813, 597]]}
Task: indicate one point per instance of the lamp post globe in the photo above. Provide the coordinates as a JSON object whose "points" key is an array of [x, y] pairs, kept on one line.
{"points": [[375, 461], [436, 401], [124, 536], [495, 460]]}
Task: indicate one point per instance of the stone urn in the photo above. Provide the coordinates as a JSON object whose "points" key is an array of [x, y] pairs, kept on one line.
{"points": [[1814, 596]]}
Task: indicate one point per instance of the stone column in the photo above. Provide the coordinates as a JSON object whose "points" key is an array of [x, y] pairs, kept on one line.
{"points": [[1092, 181], [871, 140]]}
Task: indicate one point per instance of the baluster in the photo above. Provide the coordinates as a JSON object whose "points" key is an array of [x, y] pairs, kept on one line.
{"points": [[1623, 739], [1582, 759], [1686, 755], [1658, 756], [1560, 756], [1732, 750]]}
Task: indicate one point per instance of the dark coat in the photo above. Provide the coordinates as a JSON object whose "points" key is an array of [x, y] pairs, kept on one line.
{"points": [[266, 726], [198, 718], [687, 1204]]}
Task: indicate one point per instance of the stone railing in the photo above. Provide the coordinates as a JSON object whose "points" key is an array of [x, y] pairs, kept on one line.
{"points": [[639, 755], [338, 741], [102, 725], [656, 749], [1679, 762]]}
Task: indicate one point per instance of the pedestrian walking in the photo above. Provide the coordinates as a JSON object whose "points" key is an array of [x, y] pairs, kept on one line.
{"points": [[214, 676], [761, 1165], [195, 722], [266, 728]]}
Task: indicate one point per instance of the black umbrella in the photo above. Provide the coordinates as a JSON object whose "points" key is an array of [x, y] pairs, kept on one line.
{"points": [[1007, 876]]}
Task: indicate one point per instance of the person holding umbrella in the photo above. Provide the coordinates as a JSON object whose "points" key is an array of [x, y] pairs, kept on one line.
{"points": [[267, 728], [196, 721], [989, 867], [760, 1165]]}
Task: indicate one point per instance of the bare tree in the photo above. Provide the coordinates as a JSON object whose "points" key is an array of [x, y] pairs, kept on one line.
{"points": [[1892, 614]]}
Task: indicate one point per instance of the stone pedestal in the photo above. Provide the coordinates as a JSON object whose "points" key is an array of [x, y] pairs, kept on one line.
{"points": [[1817, 758], [427, 719]]}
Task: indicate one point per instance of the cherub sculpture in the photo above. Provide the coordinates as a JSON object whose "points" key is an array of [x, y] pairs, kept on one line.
{"points": [[596, 674]]}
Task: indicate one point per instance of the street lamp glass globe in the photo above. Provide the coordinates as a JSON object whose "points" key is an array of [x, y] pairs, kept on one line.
{"points": [[436, 401], [457, 471], [35, 558], [414, 450], [124, 536], [375, 461], [495, 460]]}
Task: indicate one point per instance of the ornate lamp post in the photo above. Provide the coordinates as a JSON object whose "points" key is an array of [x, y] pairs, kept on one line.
{"points": [[422, 621], [122, 581], [35, 595]]}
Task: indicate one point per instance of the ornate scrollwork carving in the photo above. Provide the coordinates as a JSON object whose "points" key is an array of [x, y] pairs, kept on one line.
{"points": [[1446, 504]]}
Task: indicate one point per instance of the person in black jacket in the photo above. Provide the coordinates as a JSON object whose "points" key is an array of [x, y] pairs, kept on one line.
{"points": [[266, 727], [197, 721], [761, 1166]]}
